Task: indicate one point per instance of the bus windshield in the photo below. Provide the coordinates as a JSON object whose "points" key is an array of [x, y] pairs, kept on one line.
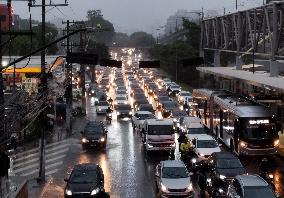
{"points": [[257, 129]]}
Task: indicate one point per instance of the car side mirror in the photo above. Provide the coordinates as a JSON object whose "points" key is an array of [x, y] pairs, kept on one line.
{"points": [[66, 180]]}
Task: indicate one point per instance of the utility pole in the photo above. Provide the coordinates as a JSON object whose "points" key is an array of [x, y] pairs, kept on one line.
{"points": [[83, 71], [43, 84]]}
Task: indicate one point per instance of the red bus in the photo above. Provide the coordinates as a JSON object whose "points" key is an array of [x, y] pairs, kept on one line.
{"points": [[5, 13]]}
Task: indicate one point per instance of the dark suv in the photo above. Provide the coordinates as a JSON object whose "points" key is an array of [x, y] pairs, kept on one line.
{"points": [[222, 167], [85, 180], [94, 134]]}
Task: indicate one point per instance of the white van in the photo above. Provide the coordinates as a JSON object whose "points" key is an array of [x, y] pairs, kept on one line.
{"points": [[158, 134]]}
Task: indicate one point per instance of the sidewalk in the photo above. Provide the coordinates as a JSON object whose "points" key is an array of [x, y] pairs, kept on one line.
{"points": [[59, 133]]}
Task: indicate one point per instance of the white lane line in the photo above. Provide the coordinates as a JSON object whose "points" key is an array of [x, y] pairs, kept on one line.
{"points": [[47, 146], [36, 154], [36, 159], [36, 165], [55, 158], [55, 148], [26, 168], [51, 172], [57, 152]]}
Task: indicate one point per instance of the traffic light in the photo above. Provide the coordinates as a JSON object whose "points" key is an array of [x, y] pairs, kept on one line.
{"points": [[196, 61], [110, 63], [149, 64], [82, 58]]}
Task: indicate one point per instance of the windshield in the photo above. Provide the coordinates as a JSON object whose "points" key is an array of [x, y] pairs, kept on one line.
{"points": [[94, 130], [251, 129], [258, 191], [160, 130], [145, 116], [103, 103], [121, 92], [229, 163], [174, 172], [146, 108], [165, 98], [124, 107], [83, 177], [206, 144], [169, 105], [196, 131], [120, 98]]}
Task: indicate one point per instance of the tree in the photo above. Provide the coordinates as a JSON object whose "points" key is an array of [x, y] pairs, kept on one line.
{"points": [[142, 39], [22, 45], [98, 48], [122, 39], [95, 19]]}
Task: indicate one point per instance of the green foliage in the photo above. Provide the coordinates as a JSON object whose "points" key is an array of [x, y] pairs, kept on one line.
{"points": [[98, 48], [170, 53], [193, 35], [122, 39], [142, 39], [226, 58], [95, 19], [22, 45]]}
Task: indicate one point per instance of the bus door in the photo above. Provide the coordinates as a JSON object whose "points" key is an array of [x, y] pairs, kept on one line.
{"points": [[236, 134]]}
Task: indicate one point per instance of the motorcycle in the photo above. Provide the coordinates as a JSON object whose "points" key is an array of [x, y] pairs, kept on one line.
{"points": [[109, 118]]}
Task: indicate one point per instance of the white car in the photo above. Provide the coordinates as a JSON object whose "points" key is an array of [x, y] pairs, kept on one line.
{"points": [[204, 145], [121, 100], [190, 122], [102, 107], [185, 96], [139, 117], [195, 130], [173, 179]]}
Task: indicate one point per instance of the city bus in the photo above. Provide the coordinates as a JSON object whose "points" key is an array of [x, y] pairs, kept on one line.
{"points": [[244, 126]]}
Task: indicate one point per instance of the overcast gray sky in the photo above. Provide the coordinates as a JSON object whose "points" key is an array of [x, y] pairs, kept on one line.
{"points": [[130, 15]]}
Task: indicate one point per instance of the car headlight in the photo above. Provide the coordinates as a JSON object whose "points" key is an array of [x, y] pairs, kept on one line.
{"points": [[125, 102], [93, 91], [163, 188], [130, 113], [68, 192], [117, 113], [222, 177], [175, 120], [243, 144], [201, 154], [221, 190], [193, 160], [102, 139], [276, 143], [150, 146], [190, 187], [84, 140], [95, 191], [271, 176], [173, 145], [100, 109]]}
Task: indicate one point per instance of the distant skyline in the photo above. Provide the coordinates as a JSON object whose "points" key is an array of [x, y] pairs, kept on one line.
{"points": [[129, 15]]}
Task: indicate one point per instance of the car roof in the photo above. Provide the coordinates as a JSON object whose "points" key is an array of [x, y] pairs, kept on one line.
{"points": [[143, 112], [172, 163], [251, 180], [159, 121], [204, 137], [86, 167]]}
